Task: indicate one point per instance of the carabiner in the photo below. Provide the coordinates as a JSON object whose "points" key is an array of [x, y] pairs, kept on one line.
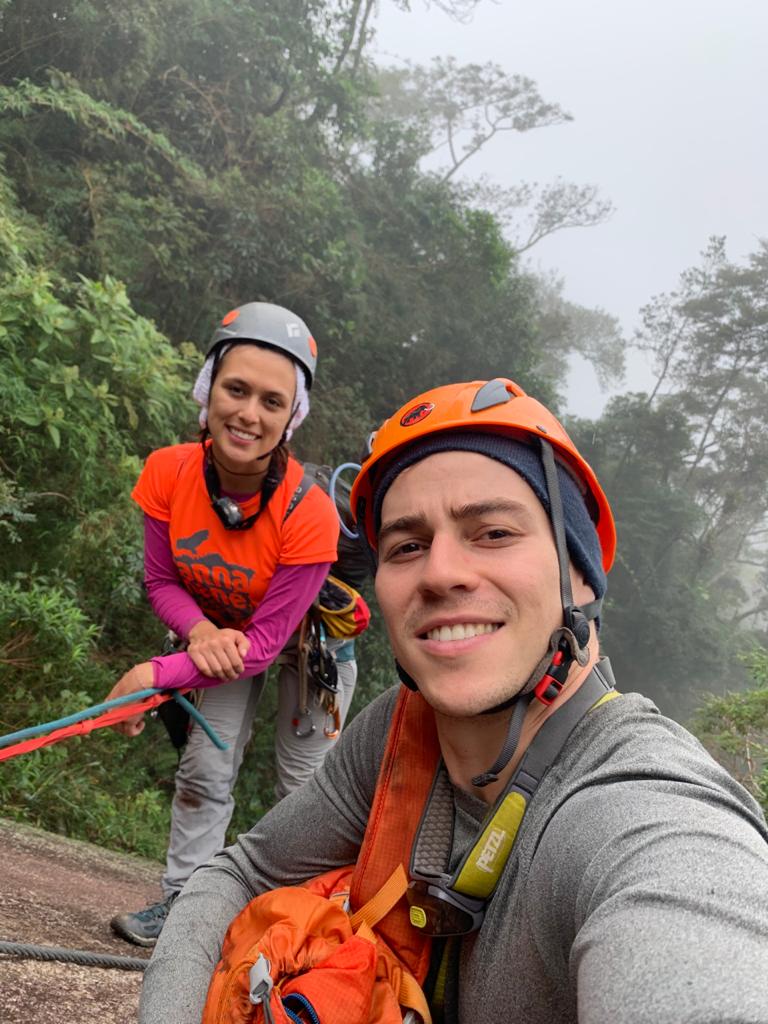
{"points": [[334, 717]]}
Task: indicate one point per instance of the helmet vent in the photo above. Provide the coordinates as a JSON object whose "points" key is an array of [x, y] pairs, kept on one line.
{"points": [[490, 394]]}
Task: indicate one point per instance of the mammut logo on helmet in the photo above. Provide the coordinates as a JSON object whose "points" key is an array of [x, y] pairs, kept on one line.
{"points": [[232, 315], [312, 346], [294, 331], [416, 414]]}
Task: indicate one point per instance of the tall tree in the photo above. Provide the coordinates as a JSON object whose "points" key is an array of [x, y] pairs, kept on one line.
{"points": [[686, 467], [709, 340]]}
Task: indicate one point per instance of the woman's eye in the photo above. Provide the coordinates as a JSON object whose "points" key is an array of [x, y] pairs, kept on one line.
{"points": [[234, 389]]}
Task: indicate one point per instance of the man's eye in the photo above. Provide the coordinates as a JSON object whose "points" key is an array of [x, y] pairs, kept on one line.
{"points": [[402, 551], [496, 533]]}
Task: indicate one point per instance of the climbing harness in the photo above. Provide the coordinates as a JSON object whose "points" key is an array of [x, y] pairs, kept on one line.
{"points": [[316, 666], [99, 717]]}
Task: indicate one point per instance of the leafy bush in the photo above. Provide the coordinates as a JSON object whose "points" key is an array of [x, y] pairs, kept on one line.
{"points": [[735, 728]]}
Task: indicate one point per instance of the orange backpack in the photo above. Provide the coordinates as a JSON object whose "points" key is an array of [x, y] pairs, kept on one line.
{"points": [[298, 954]]}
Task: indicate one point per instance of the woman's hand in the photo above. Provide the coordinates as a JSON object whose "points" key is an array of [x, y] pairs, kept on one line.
{"points": [[217, 653], [140, 677]]}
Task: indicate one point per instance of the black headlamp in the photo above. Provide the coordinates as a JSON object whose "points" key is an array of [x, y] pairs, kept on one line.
{"points": [[229, 512], [227, 509]]}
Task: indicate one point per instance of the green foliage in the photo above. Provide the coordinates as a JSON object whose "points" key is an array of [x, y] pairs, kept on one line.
{"points": [[686, 469], [47, 648], [662, 625], [735, 728], [167, 161], [709, 341], [86, 388], [203, 154], [462, 107], [94, 117]]}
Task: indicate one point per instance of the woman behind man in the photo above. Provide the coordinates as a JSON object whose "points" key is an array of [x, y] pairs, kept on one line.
{"points": [[232, 563]]}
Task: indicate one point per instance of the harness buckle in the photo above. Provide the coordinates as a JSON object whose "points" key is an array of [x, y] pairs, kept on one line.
{"points": [[551, 683]]}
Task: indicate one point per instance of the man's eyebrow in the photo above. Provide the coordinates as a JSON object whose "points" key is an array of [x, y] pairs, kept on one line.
{"points": [[418, 521], [493, 506], [472, 510]]}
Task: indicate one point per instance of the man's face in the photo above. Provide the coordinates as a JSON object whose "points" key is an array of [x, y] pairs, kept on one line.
{"points": [[467, 580]]}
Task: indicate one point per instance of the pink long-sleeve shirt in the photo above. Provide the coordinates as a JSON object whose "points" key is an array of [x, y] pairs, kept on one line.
{"points": [[291, 591]]}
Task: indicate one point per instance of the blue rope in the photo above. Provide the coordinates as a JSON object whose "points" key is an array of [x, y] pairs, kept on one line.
{"points": [[97, 709], [332, 494], [204, 724]]}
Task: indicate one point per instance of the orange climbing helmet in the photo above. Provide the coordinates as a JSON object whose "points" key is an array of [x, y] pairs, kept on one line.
{"points": [[497, 406]]}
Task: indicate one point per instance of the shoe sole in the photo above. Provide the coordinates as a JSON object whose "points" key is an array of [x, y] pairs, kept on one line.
{"points": [[137, 940]]}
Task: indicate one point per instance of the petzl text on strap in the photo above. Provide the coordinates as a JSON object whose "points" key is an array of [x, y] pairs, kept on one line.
{"points": [[442, 903]]}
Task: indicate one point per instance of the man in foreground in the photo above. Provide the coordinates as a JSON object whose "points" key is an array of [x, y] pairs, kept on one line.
{"points": [[576, 857]]}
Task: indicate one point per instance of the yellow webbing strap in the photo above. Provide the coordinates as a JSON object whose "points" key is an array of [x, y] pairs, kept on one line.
{"points": [[438, 993], [363, 922], [412, 996], [367, 933], [379, 906], [611, 695]]}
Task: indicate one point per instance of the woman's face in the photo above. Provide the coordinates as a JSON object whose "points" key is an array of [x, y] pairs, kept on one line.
{"points": [[250, 404]]}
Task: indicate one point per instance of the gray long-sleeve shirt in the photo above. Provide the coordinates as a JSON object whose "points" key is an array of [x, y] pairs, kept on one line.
{"points": [[637, 890]]}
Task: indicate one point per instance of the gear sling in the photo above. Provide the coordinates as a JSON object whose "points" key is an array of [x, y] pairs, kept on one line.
{"points": [[297, 954]]}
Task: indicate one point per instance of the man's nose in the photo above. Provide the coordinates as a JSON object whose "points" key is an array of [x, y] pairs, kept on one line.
{"points": [[448, 566]]}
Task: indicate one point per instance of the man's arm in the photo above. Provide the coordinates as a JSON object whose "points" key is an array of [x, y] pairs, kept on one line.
{"points": [[660, 893], [318, 827]]}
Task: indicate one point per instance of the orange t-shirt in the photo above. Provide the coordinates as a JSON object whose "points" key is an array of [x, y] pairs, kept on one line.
{"points": [[228, 571]]}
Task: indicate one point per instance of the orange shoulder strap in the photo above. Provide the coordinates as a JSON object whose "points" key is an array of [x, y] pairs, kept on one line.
{"points": [[406, 774]]}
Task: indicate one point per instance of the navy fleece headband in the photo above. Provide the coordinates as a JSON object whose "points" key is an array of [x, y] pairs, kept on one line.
{"points": [[581, 536]]}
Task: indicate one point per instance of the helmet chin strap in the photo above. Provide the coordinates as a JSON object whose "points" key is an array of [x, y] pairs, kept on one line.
{"points": [[568, 643]]}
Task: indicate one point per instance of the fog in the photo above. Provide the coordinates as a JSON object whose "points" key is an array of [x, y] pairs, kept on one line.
{"points": [[670, 120]]}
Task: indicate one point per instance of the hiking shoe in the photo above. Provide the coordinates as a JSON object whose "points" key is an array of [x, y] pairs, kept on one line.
{"points": [[143, 927]]}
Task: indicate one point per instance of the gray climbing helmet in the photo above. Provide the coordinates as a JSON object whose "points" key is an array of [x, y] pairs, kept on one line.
{"points": [[272, 325]]}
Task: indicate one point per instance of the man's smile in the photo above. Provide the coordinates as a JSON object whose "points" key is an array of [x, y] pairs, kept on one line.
{"points": [[459, 631]]}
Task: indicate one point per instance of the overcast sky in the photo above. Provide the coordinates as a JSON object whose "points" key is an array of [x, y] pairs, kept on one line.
{"points": [[670, 106]]}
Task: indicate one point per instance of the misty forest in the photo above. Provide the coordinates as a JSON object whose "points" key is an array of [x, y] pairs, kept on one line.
{"points": [[165, 162]]}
